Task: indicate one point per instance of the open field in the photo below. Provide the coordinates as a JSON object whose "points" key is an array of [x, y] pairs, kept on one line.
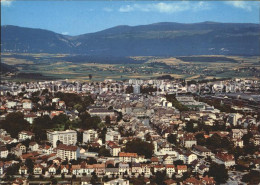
{"points": [[52, 66]]}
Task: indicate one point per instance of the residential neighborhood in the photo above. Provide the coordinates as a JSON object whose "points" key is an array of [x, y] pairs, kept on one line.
{"points": [[129, 132]]}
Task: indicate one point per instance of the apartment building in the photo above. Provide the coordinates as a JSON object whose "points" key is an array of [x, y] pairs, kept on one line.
{"points": [[68, 137], [68, 152], [89, 136], [113, 136]]}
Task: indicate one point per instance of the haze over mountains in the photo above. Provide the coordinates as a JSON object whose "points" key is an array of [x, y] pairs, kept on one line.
{"points": [[159, 39]]}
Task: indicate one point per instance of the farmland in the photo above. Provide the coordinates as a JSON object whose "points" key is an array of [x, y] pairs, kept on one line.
{"points": [[60, 66]]}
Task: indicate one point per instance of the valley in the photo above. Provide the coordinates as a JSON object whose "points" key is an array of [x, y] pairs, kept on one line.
{"points": [[79, 67]]}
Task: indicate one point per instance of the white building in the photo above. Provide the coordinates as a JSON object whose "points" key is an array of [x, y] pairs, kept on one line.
{"points": [[23, 135], [3, 152], [117, 182], [113, 136], [136, 89], [89, 136], [11, 104], [27, 104], [68, 152], [68, 137]]}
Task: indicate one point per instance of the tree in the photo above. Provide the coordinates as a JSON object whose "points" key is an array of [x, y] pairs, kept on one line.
{"points": [[104, 152], [108, 121], [200, 139], [15, 120], [94, 178], [60, 119], [246, 138], [159, 177], [140, 147], [214, 142], [12, 170], [29, 164], [129, 90], [253, 177], [218, 172], [53, 180], [172, 138]]}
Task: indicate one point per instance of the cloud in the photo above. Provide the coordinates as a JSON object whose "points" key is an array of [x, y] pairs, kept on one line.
{"points": [[243, 4], [6, 3], [107, 9], [163, 7]]}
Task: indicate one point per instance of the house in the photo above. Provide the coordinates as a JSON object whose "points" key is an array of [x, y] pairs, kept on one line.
{"points": [[192, 181], [21, 147], [167, 159], [99, 169], [201, 151], [64, 169], [113, 148], [154, 160], [1, 168], [27, 104], [208, 180], [189, 157], [226, 159], [146, 170], [117, 182], [112, 172], [202, 169], [33, 146], [238, 142], [181, 169], [158, 167], [136, 169], [238, 133], [170, 170], [53, 169], [127, 157], [75, 169], [170, 182], [30, 117], [188, 140], [37, 169], [124, 169], [20, 181], [46, 149], [23, 135], [23, 170], [3, 152]]}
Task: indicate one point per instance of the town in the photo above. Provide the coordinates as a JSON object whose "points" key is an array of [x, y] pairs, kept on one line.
{"points": [[159, 131]]}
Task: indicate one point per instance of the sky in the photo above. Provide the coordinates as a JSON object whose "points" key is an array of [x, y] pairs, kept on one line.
{"points": [[80, 17]]}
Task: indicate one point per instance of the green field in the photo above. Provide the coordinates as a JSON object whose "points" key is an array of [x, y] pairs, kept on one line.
{"points": [[49, 66]]}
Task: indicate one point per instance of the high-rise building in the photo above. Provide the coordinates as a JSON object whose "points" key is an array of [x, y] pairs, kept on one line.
{"points": [[68, 137]]}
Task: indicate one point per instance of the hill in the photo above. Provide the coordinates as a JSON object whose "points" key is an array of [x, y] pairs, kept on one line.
{"points": [[159, 39]]}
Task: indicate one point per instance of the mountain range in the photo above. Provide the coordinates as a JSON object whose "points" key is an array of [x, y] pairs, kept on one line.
{"points": [[159, 39]]}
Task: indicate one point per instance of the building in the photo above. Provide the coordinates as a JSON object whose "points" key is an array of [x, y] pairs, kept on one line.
{"points": [[136, 89], [23, 135], [113, 136], [127, 157], [117, 182], [68, 152], [226, 159], [201, 151], [27, 104], [68, 137], [89, 136], [3, 152]]}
